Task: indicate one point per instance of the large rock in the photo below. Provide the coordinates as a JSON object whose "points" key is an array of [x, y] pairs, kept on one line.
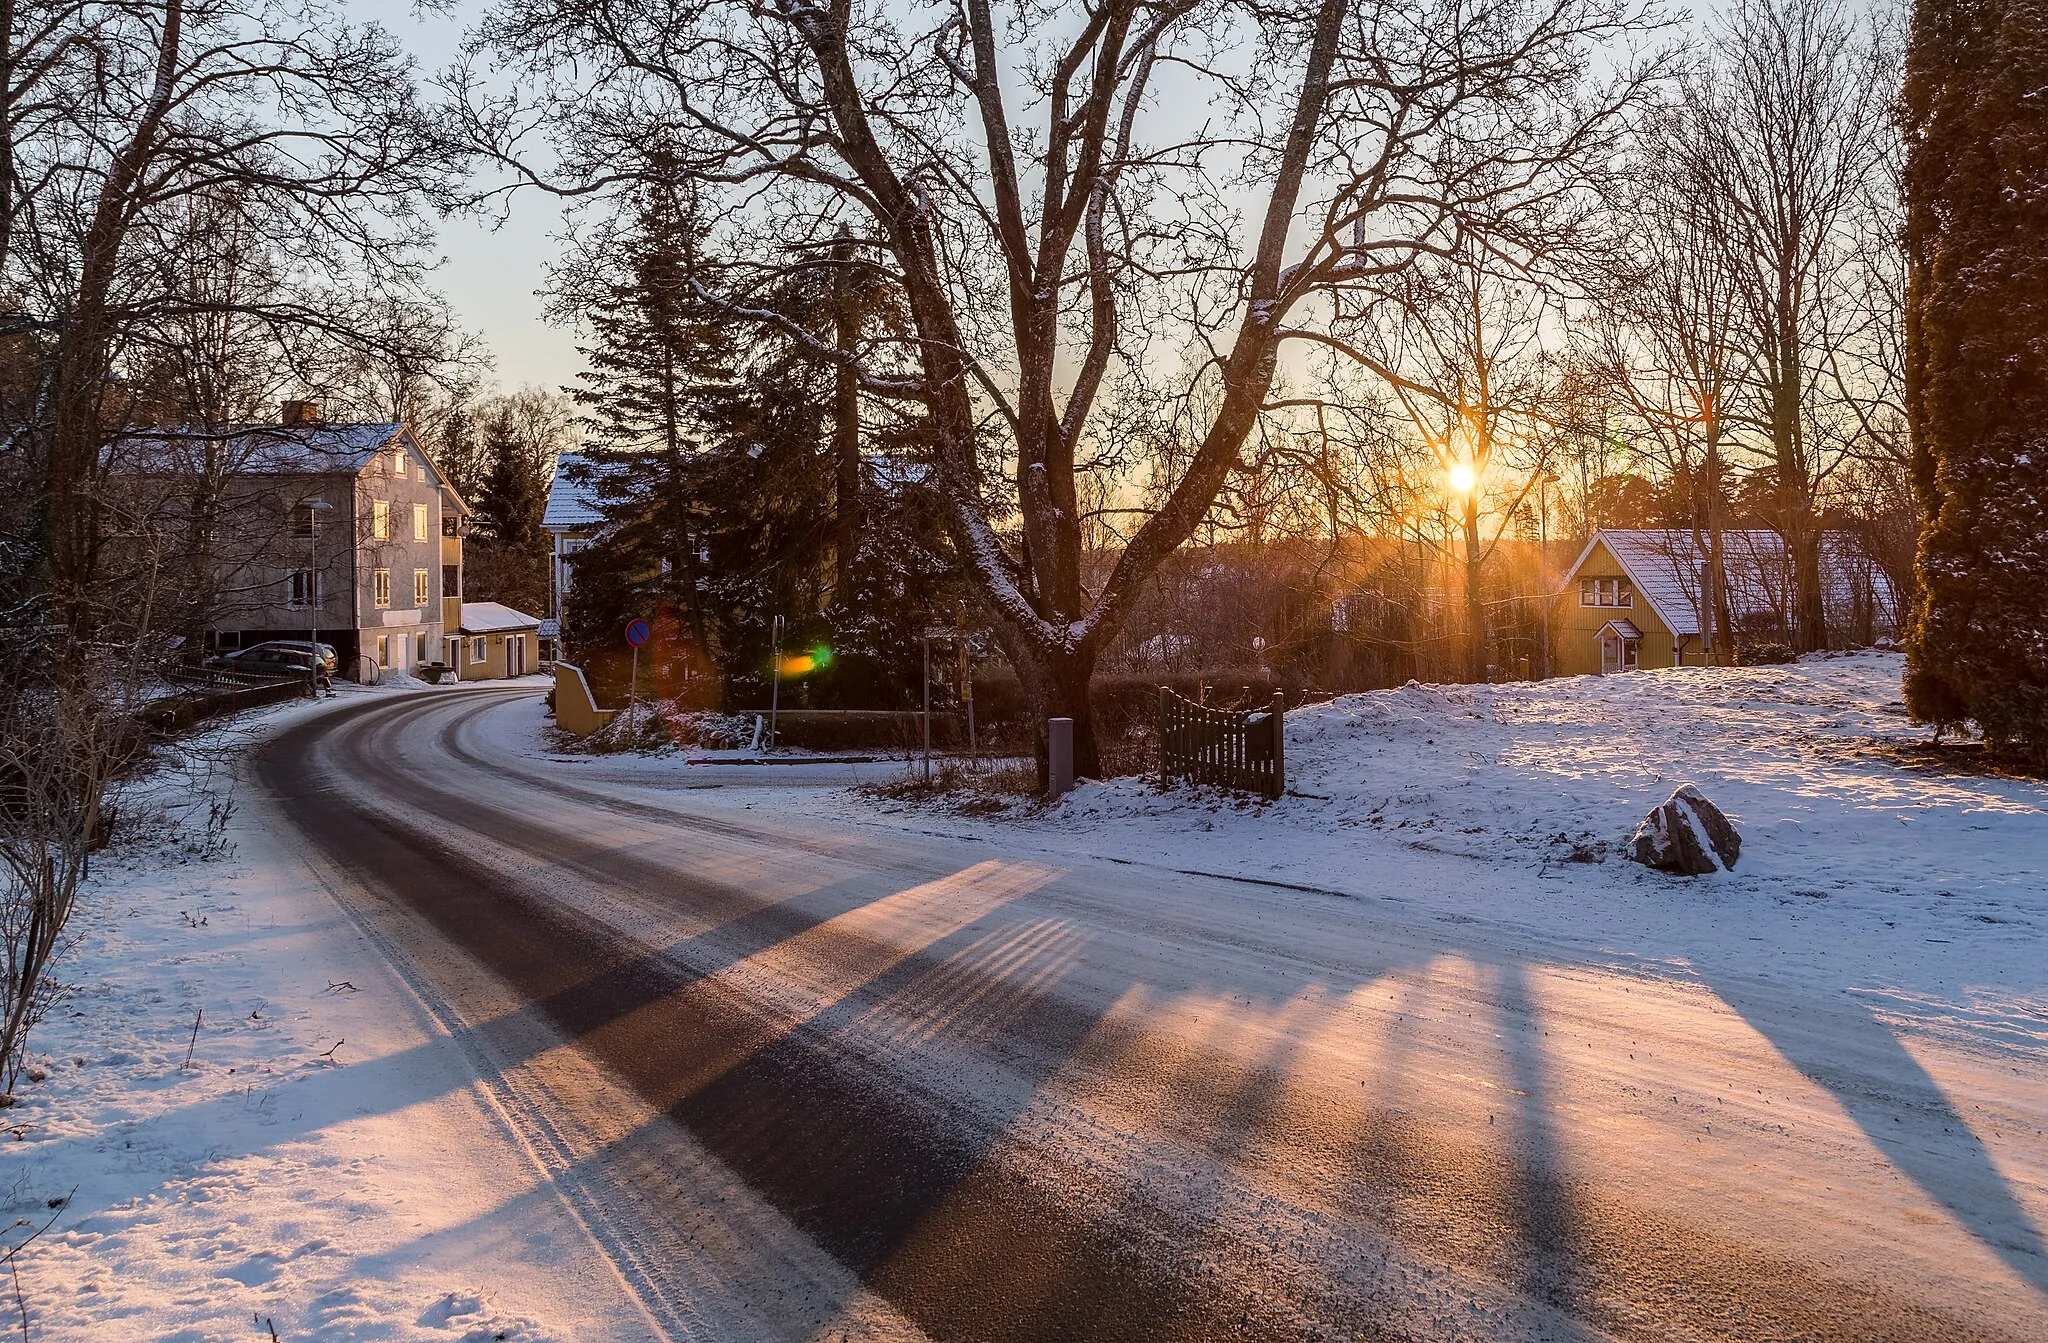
{"points": [[1686, 834]]}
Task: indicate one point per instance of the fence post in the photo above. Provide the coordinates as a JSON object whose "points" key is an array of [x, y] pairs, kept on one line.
{"points": [[1279, 784], [1059, 750], [1165, 738]]}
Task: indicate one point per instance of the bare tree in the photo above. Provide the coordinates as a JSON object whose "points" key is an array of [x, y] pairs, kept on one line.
{"points": [[1667, 336], [1047, 207], [1792, 124]]}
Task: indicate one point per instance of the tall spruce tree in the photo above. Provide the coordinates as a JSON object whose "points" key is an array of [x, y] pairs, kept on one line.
{"points": [[737, 482], [1976, 238]]}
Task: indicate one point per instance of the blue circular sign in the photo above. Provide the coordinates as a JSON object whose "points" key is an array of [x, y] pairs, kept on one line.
{"points": [[638, 632]]}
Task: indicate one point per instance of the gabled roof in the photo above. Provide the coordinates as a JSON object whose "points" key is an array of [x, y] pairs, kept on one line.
{"points": [[572, 495], [267, 449], [1666, 568], [494, 618]]}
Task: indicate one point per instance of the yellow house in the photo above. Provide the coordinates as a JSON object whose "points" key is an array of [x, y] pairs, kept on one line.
{"points": [[1630, 600], [495, 641], [1635, 598]]}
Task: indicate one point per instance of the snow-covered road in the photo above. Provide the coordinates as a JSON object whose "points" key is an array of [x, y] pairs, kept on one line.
{"points": [[806, 1076]]}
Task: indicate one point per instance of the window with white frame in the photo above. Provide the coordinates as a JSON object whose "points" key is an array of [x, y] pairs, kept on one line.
{"points": [[398, 462], [1606, 592], [384, 650], [419, 522], [476, 650], [380, 587], [302, 589], [380, 520], [422, 586]]}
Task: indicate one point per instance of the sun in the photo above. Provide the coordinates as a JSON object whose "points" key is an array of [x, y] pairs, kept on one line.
{"points": [[1463, 478]]}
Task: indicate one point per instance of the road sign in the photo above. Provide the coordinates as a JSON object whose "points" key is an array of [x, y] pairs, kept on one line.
{"points": [[638, 632]]}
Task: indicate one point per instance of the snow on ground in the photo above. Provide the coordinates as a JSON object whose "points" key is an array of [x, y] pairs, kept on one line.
{"points": [[323, 1163], [1868, 865]]}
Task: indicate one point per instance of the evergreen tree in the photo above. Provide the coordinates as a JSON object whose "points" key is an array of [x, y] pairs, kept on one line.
{"points": [[1976, 192], [507, 557], [724, 478]]}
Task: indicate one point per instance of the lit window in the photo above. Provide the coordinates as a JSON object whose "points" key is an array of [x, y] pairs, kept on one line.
{"points": [[380, 587], [383, 650], [422, 589], [380, 520], [419, 522], [398, 462]]}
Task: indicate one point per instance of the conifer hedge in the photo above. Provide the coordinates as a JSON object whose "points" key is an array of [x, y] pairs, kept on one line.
{"points": [[1975, 113]]}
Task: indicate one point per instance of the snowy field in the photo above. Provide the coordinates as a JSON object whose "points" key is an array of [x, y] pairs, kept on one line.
{"points": [[242, 1116], [1868, 864]]}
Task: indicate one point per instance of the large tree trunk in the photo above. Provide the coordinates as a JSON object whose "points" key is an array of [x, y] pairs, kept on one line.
{"points": [[1058, 687]]}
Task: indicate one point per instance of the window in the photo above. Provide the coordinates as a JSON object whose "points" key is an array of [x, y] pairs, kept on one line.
{"points": [[451, 525], [476, 650], [380, 520], [380, 587], [398, 462], [1606, 592], [383, 650], [420, 649], [575, 547], [304, 519], [302, 589], [422, 586], [451, 580], [419, 522]]}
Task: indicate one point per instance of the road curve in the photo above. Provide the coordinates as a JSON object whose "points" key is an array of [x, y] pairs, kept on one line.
{"points": [[819, 1080]]}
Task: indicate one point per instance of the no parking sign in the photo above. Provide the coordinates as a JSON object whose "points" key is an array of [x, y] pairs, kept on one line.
{"points": [[638, 632]]}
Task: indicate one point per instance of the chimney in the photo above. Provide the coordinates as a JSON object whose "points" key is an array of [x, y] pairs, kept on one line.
{"points": [[300, 412]]}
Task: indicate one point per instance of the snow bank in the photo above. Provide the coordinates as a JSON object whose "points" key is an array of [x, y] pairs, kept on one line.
{"points": [[241, 1119]]}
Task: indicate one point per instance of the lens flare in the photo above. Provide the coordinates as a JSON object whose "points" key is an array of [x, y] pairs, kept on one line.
{"points": [[797, 664]]}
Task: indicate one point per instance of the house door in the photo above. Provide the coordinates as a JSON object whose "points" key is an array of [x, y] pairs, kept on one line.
{"points": [[516, 655], [1618, 653]]}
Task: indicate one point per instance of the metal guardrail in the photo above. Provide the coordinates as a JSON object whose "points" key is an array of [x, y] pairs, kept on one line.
{"points": [[1228, 748]]}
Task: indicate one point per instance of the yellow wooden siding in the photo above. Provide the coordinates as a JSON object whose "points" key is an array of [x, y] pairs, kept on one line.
{"points": [[1575, 629]]}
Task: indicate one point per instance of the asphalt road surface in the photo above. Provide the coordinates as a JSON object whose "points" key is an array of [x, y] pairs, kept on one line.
{"points": [[829, 1080]]}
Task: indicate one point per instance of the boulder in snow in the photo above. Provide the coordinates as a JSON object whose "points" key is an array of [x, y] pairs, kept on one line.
{"points": [[1686, 834]]}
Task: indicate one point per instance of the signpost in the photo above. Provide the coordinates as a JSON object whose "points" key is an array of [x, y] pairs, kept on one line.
{"points": [[931, 632], [638, 632], [775, 692]]}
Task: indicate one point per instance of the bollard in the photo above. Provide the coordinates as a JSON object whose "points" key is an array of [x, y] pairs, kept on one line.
{"points": [[1059, 751]]}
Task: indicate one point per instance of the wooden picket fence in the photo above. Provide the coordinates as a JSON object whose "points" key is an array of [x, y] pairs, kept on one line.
{"points": [[1229, 748]]}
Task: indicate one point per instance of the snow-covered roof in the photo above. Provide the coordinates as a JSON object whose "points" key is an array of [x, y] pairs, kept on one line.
{"points": [[1666, 567], [1623, 626], [281, 449], [572, 495], [495, 618]]}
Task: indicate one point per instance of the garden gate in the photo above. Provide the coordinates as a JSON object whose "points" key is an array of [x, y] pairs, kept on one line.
{"points": [[1230, 748]]}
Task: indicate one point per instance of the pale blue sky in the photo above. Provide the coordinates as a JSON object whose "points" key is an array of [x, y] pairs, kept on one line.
{"points": [[490, 273]]}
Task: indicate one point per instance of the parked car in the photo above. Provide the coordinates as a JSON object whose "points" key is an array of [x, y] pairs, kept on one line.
{"points": [[248, 659], [274, 660]]}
